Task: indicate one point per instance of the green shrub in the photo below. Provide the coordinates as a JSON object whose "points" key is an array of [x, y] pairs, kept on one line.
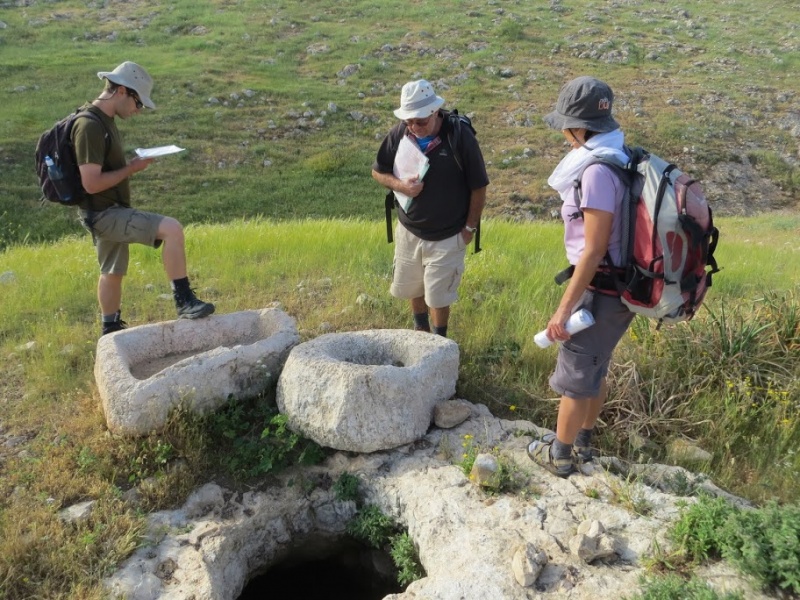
{"points": [[675, 587], [370, 525], [253, 439], [346, 487], [762, 542], [765, 543], [697, 531], [378, 530], [405, 557]]}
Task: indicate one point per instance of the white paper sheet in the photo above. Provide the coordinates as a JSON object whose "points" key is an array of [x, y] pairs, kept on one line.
{"points": [[157, 151], [409, 162]]}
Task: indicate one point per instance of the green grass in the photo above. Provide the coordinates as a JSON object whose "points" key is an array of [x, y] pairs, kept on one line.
{"points": [[742, 350], [283, 211], [764, 542], [675, 587], [289, 57]]}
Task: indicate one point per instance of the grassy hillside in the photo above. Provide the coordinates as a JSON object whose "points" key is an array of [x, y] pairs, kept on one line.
{"points": [[281, 104]]}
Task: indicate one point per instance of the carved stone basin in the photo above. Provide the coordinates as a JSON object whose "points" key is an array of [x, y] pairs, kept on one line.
{"points": [[144, 372]]}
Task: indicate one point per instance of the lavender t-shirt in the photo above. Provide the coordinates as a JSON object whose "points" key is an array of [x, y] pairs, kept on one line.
{"points": [[602, 190]]}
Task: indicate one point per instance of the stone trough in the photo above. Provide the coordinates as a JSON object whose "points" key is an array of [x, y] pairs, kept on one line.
{"points": [[144, 372], [364, 391]]}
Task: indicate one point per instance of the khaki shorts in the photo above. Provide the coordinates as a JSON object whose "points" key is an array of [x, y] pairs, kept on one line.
{"points": [[583, 359], [114, 229], [426, 269]]}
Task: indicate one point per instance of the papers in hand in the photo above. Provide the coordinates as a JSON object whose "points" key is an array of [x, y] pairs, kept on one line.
{"points": [[409, 163], [158, 151]]}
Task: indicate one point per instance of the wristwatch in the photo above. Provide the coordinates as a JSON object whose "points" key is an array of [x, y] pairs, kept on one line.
{"points": [[470, 229]]}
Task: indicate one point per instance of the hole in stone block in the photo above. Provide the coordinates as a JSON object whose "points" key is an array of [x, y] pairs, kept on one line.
{"points": [[341, 568]]}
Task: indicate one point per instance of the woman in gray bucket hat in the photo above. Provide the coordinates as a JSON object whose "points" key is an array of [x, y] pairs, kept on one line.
{"points": [[592, 194]]}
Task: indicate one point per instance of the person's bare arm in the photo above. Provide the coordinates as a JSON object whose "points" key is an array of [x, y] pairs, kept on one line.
{"points": [[410, 187], [597, 230], [94, 180]]}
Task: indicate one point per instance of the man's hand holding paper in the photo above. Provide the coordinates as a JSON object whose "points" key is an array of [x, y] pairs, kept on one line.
{"points": [[410, 166]]}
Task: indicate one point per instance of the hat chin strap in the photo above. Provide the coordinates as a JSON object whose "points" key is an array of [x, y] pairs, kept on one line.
{"points": [[575, 137]]}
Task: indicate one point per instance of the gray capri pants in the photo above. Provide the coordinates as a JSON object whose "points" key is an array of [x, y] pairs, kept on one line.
{"points": [[583, 359]]}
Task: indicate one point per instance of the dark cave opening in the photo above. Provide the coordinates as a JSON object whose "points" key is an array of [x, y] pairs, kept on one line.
{"points": [[343, 568]]}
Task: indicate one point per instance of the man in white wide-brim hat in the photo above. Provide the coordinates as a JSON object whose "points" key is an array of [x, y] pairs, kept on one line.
{"points": [[106, 208], [446, 201]]}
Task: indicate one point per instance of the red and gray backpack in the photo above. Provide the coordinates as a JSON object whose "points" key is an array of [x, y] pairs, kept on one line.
{"points": [[668, 241]]}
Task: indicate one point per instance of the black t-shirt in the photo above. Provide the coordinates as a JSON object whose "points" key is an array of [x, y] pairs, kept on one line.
{"points": [[440, 211]]}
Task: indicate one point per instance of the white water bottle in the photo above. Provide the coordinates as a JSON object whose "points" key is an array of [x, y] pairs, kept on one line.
{"points": [[579, 321]]}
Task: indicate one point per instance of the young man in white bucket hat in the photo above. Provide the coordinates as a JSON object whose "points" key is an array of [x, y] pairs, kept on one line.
{"points": [[433, 232], [107, 213]]}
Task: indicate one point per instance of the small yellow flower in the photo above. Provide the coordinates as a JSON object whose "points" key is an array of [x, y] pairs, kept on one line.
{"points": [[464, 455], [513, 407], [467, 436]]}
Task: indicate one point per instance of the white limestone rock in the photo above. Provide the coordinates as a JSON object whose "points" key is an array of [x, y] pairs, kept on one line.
{"points": [[470, 545], [527, 564], [450, 413], [365, 391], [144, 372], [485, 471]]}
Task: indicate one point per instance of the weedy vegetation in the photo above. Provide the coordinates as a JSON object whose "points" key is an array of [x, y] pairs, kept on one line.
{"points": [[380, 531]]}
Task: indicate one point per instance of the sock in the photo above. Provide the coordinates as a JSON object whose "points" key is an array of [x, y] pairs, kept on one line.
{"points": [[442, 331], [180, 285], [560, 450], [584, 438], [421, 321], [111, 318]]}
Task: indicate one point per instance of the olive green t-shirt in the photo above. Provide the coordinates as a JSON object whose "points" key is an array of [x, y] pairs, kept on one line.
{"points": [[89, 140]]}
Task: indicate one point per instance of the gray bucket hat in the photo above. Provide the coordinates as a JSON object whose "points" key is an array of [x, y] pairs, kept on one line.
{"points": [[418, 100], [134, 77], [584, 102]]}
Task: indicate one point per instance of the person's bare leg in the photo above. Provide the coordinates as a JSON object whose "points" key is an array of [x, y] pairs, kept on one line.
{"points": [[440, 318], [595, 406], [109, 293], [571, 416], [173, 254]]}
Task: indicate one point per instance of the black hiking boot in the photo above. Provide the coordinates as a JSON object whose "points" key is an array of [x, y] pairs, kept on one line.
{"points": [[113, 326], [190, 306]]}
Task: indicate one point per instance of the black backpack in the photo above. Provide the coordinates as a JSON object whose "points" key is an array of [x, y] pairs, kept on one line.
{"points": [[457, 121], [56, 143]]}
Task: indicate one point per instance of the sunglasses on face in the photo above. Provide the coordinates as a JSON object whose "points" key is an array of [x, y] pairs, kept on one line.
{"points": [[137, 101], [418, 122]]}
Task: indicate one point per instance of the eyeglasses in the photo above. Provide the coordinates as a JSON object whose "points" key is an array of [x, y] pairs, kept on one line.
{"points": [[418, 122], [137, 100]]}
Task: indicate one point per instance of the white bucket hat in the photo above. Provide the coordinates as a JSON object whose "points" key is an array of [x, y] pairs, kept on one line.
{"points": [[418, 100], [134, 77]]}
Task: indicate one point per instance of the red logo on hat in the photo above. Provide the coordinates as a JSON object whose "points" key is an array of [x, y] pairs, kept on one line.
{"points": [[604, 104]]}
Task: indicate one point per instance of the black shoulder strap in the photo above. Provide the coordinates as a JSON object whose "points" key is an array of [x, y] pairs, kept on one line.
{"points": [[389, 200], [389, 205], [454, 141]]}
